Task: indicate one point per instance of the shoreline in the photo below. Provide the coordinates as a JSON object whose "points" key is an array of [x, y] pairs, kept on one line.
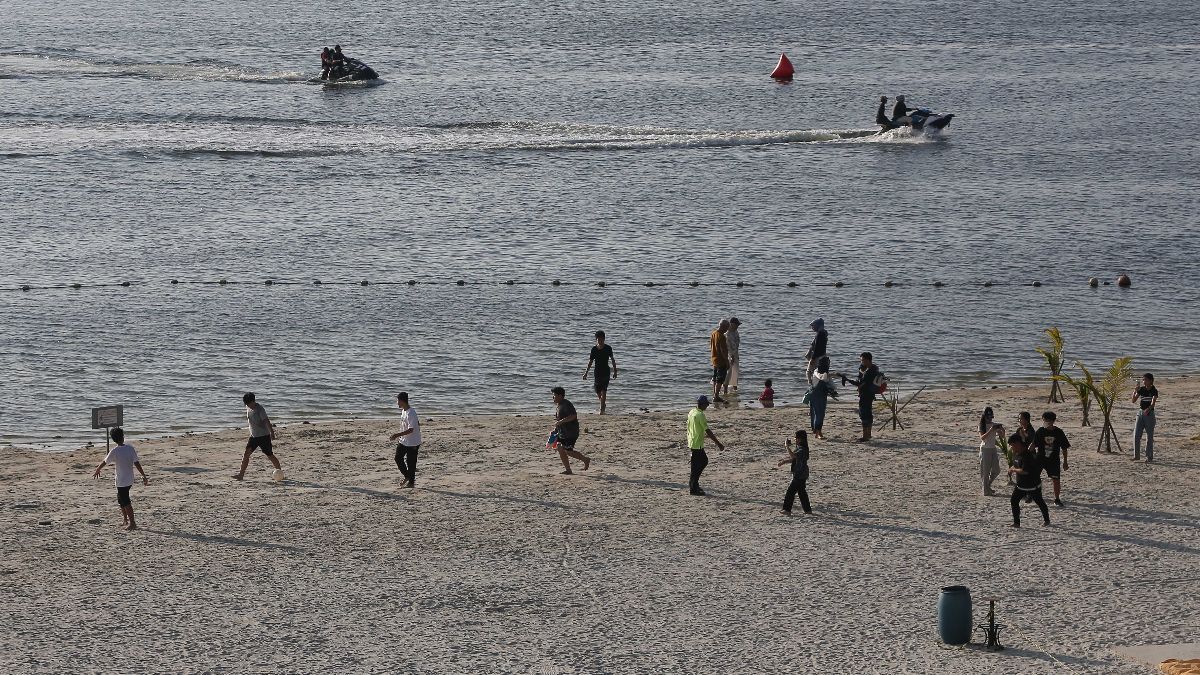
{"points": [[289, 422]]}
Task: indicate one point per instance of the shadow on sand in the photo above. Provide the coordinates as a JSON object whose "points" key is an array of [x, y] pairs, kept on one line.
{"points": [[220, 539]]}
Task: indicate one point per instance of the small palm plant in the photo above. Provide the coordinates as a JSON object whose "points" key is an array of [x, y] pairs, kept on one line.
{"points": [[1106, 393], [1083, 389], [1053, 353]]}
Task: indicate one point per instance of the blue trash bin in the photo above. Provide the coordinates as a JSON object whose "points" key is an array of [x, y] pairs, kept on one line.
{"points": [[954, 615]]}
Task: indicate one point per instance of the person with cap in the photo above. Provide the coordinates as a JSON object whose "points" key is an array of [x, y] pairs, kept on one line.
{"points": [[733, 340], [697, 431], [718, 354], [818, 348], [900, 113], [409, 438], [566, 431], [868, 386]]}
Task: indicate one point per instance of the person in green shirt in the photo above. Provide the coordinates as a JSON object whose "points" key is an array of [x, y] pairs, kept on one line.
{"points": [[697, 431]]}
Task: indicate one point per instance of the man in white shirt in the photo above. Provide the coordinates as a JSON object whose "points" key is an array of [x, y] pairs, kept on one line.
{"points": [[124, 459], [410, 440]]}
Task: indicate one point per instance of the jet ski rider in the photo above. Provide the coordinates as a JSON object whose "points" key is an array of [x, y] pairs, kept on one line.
{"points": [[338, 57], [900, 115], [326, 63]]}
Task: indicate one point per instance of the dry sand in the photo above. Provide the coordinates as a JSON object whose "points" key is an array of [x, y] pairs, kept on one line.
{"points": [[497, 563]]}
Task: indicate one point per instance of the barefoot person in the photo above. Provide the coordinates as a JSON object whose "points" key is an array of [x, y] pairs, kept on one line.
{"points": [[798, 458], [262, 432], [566, 431], [697, 431], [1052, 444], [1027, 467], [409, 438], [868, 386], [989, 454], [718, 354], [124, 460], [1146, 396], [601, 355]]}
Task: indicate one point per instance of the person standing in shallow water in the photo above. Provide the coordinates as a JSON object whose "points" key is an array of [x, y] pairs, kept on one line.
{"points": [[262, 432], [601, 355], [1027, 468], [718, 354], [566, 431], [409, 438], [798, 458], [989, 454], [697, 431], [1146, 396], [733, 340], [818, 349]]}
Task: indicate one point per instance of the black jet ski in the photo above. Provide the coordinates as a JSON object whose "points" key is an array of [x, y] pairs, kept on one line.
{"points": [[920, 119], [351, 70]]}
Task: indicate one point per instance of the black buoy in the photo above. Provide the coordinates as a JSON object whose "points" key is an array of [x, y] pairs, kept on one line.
{"points": [[363, 282], [741, 284], [24, 288], [268, 282], [601, 284], [1093, 282], [316, 282], [412, 282], [222, 282], [174, 281], [556, 282], [649, 284], [460, 282], [838, 284], [1124, 281], [1037, 284], [125, 284], [888, 284], [694, 284], [510, 282], [791, 284], [76, 285], [987, 284], [938, 284]]}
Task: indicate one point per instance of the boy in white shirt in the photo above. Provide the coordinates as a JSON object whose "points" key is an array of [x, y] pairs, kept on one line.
{"points": [[410, 440], [124, 459]]}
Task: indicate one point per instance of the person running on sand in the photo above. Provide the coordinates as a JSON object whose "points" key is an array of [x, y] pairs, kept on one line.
{"points": [[124, 459], [868, 374], [1027, 467], [798, 458], [1146, 396], [410, 440], [733, 340], [566, 430], [1052, 444], [718, 354], [818, 349], [262, 432], [697, 431], [601, 355], [989, 454]]}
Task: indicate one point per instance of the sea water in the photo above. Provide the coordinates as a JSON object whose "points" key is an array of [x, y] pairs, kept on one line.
{"points": [[627, 142]]}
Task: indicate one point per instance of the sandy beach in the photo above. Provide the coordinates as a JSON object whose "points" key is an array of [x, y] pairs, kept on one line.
{"points": [[496, 563]]}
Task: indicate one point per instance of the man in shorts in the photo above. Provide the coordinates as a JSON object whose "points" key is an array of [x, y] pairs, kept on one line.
{"points": [[718, 354], [124, 459], [262, 432], [566, 430], [1052, 445], [601, 355]]}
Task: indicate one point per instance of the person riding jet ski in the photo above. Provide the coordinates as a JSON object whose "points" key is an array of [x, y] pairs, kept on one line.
{"points": [[326, 63], [900, 113]]}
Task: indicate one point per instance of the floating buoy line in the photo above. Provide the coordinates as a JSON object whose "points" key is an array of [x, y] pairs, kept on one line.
{"points": [[1123, 281]]}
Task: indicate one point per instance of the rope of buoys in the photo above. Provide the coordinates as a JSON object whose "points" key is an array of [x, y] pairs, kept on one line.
{"points": [[1123, 281]]}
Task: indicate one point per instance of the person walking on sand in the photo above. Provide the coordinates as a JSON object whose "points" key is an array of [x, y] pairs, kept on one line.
{"points": [[1052, 444], [1027, 468], [818, 349], [124, 460], [409, 438], [818, 398], [697, 431], [733, 340], [798, 458], [718, 354], [601, 355], [262, 432], [868, 385], [1146, 396], [566, 431], [989, 454]]}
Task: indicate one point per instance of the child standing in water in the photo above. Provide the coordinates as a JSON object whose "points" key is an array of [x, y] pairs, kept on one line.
{"points": [[989, 454], [798, 458], [767, 397]]}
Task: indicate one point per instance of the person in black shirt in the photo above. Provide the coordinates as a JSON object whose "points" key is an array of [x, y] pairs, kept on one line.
{"points": [[818, 348], [900, 113], [566, 426], [601, 355], [1052, 447], [1028, 469], [798, 458], [338, 57], [868, 374], [881, 117], [1146, 396]]}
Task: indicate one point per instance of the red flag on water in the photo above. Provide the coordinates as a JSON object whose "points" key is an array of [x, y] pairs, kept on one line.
{"points": [[784, 69]]}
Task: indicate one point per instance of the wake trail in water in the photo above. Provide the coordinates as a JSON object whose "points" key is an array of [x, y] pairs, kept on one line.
{"points": [[49, 63]]}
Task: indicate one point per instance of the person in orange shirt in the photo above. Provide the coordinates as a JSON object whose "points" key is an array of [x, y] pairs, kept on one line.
{"points": [[718, 351]]}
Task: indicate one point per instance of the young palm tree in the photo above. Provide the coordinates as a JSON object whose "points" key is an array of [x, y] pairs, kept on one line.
{"points": [[1106, 392], [1053, 353], [1083, 389]]}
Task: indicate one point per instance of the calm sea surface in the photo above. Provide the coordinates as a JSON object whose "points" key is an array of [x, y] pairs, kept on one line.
{"points": [[624, 141]]}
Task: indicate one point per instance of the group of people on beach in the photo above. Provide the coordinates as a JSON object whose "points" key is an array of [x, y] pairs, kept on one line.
{"points": [[1029, 451]]}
